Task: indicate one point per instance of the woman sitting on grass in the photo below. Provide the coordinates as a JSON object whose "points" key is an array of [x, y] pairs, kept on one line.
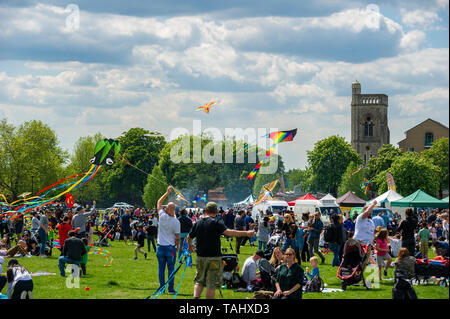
{"points": [[405, 262]]}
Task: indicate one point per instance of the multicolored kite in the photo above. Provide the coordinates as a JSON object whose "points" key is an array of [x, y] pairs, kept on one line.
{"points": [[276, 137], [206, 107], [105, 150]]}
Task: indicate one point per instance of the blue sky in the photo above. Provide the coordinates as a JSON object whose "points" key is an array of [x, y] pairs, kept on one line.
{"points": [[272, 64]]}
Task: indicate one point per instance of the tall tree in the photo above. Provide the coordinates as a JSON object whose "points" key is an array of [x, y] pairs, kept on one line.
{"points": [[30, 157], [156, 186], [351, 181], [438, 155], [141, 148], [328, 161], [411, 172]]}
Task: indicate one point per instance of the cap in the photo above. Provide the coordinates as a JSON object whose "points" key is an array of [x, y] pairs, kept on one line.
{"points": [[260, 253], [78, 208]]}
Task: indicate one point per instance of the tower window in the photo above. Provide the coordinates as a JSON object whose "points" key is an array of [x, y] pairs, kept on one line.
{"points": [[368, 127], [429, 139]]}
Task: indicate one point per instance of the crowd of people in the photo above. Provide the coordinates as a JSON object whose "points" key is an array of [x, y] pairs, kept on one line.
{"points": [[282, 241]]}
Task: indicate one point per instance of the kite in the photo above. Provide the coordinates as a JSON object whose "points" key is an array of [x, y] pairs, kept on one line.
{"points": [[266, 192], [104, 153], [358, 170], [69, 200], [205, 107], [366, 185], [100, 251], [276, 137]]}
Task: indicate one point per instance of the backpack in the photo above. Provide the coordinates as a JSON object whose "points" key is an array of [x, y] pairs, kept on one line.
{"points": [[314, 285], [402, 288], [329, 234]]}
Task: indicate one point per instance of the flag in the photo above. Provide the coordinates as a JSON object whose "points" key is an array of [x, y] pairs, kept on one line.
{"points": [[69, 200]]}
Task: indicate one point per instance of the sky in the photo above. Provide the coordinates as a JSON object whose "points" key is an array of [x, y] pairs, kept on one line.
{"points": [[85, 67]]}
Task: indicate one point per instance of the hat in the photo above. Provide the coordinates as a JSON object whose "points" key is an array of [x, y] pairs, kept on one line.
{"points": [[260, 253], [78, 208], [211, 207]]}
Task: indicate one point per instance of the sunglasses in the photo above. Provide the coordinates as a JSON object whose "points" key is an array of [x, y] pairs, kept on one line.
{"points": [[289, 254]]}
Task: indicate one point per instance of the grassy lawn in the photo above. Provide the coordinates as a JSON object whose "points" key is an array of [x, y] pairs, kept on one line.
{"points": [[137, 279]]}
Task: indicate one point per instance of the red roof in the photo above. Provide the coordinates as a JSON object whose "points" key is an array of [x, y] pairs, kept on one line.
{"points": [[308, 196]]}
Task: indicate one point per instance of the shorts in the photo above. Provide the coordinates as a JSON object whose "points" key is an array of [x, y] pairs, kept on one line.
{"points": [[381, 259], [209, 272], [424, 247]]}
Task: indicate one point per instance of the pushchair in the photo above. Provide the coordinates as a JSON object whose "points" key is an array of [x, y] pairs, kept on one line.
{"points": [[425, 269], [103, 237], [351, 270], [230, 276], [274, 241]]}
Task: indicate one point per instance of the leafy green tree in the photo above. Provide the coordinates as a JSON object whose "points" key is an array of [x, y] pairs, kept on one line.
{"points": [[30, 157], [386, 156], [298, 178], [140, 148], [410, 172], [156, 186], [353, 182], [438, 155], [328, 161]]}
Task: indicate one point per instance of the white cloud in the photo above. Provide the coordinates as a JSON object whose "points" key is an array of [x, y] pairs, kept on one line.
{"points": [[419, 19]]}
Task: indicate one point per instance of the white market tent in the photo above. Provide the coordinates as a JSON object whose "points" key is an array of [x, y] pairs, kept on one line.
{"points": [[328, 200], [386, 198], [249, 200]]}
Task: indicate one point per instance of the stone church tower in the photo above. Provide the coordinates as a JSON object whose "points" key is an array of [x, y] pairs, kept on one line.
{"points": [[369, 119]]}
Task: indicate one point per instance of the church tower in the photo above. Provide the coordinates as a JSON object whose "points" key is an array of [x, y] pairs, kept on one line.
{"points": [[369, 119]]}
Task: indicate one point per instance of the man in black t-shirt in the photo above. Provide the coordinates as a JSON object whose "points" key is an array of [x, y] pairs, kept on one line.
{"points": [[71, 253], [207, 230]]}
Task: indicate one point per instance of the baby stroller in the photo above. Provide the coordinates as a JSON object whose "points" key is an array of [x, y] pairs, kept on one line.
{"points": [[103, 237], [351, 270], [230, 276], [274, 241]]}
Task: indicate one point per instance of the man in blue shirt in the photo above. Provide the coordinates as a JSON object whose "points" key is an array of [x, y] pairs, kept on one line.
{"points": [[314, 236], [378, 221]]}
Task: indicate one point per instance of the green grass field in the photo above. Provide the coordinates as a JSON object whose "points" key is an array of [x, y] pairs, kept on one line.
{"points": [[136, 279]]}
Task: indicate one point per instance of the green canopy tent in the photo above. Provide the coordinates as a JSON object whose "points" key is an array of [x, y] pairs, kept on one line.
{"points": [[419, 199], [445, 199]]}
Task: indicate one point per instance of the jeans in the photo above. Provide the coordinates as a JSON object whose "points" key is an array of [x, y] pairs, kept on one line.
{"points": [[261, 245], [62, 261], [314, 247], [335, 248], [2, 282], [43, 239], [151, 239], [81, 234], [166, 256]]}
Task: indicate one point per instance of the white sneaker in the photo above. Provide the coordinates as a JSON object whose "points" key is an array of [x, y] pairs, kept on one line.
{"points": [[30, 295], [23, 295]]}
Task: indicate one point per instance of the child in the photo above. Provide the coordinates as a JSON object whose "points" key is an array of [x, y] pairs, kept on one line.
{"points": [[63, 230], [424, 235], [314, 261], [140, 236], [84, 258], [300, 243], [382, 251], [396, 244]]}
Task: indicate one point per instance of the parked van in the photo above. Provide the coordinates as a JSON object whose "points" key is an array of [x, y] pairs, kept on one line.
{"points": [[303, 206], [274, 206]]}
